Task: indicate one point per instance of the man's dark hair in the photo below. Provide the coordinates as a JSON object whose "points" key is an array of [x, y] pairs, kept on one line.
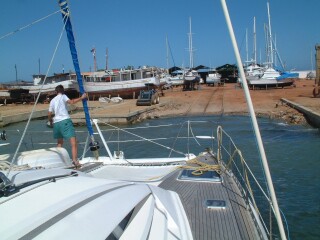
{"points": [[59, 89]]}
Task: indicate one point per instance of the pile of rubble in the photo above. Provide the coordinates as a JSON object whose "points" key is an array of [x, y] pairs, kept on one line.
{"points": [[288, 115]]}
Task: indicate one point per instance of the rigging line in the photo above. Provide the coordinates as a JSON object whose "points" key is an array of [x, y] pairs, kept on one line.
{"points": [[247, 167], [191, 131], [264, 177], [28, 25], [134, 128], [176, 139], [35, 104], [141, 140], [285, 220], [146, 139], [174, 64], [242, 41], [155, 126]]}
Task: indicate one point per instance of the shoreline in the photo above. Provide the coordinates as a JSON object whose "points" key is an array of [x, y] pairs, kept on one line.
{"points": [[208, 100], [290, 116]]}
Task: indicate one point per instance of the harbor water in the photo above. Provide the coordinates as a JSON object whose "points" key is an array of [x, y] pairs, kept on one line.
{"points": [[293, 153]]}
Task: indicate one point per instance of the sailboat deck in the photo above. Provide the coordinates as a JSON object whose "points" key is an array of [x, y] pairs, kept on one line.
{"points": [[232, 222]]}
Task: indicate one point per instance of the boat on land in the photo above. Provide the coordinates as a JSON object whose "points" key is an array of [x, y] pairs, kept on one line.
{"points": [[191, 80], [269, 78], [213, 79], [122, 83], [191, 76], [13, 95], [205, 196], [46, 85], [267, 75], [176, 78], [254, 70]]}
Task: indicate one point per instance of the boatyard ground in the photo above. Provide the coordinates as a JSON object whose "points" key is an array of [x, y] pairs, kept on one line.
{"points": [[207, 100]]}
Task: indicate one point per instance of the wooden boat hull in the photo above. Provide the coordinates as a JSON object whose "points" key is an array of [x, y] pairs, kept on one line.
{"points": [[123, 89], [48, 90]]}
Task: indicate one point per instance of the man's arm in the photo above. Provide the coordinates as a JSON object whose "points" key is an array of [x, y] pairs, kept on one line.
{"points": [[75, 100]]}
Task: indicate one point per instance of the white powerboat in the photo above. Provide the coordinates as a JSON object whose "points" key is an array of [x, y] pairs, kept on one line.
{"points": [[213, 79]]}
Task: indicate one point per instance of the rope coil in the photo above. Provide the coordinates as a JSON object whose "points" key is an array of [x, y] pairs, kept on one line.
{"points": [[5, 165], [201, 168]]}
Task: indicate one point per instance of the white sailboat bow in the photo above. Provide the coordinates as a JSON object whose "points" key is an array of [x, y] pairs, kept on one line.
{"points": [[175, 195]]}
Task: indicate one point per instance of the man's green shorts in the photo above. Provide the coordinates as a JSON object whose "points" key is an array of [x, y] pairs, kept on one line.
{"points": [[63, 129]]}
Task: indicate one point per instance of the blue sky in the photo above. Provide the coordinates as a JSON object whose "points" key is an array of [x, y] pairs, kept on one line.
{"points": [[135, 33]]}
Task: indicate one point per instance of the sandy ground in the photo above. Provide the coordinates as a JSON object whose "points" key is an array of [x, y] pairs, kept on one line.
{"points": [[227, 99], [230, 99]]}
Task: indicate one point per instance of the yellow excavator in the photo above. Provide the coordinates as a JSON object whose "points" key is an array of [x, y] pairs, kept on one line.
{"points": [[316, 90]]}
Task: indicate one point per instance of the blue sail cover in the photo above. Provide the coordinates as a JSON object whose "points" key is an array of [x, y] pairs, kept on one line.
{"points": [[66, 19], [286, 75]]}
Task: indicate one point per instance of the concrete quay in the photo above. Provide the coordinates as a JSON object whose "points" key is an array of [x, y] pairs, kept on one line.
{"points": [[312, 117], [125, 112], [115, 113], [14, 113]]}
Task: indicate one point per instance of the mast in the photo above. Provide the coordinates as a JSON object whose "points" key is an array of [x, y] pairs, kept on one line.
{"points": [[15, 67], [107, 59], [260, 58], [93, 50], [254, 41], [169, 49], [167, 55], [254, 123], [275, 51], [66, 19], [39, 65], [190, 45], [311, 58], [270, 37], [247, 60]]}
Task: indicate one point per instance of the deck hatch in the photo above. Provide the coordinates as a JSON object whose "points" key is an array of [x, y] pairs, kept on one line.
{"points": [[208, 176], [215, 204]]}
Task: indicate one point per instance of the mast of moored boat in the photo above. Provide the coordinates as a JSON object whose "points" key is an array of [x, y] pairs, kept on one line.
{"points": [[107, 59], [167, 55], [191, 50], [254, 123], [254, 41], [270, 37], [247, 52]]}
